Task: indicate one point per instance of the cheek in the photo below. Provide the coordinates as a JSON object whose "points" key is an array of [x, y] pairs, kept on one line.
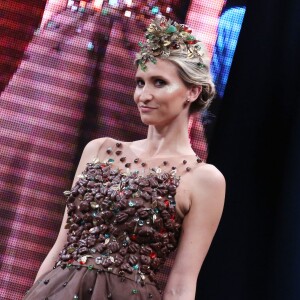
{"points": [[173, 88]]}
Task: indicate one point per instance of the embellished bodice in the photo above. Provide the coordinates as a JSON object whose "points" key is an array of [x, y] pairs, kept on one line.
{"points": [[122, 214], [121, 221]]}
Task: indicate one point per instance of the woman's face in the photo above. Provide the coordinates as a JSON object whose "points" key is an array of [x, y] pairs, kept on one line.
{"points": [[160, 93]]}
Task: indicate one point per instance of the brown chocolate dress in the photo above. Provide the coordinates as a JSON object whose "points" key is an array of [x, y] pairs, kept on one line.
{"points": [[122, 228]]}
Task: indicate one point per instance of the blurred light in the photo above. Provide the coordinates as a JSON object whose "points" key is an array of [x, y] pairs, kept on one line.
{"points": [[98, 4], [168, 10], [70, 3], [74, 8], [128, 2], [127, 13], [82, 4], [114, 3], [104, 11], [155, 10], [90, 46], [50, 24]]}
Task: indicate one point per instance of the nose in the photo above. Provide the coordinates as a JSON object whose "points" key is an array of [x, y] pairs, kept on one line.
{"points": [[145, 94]]}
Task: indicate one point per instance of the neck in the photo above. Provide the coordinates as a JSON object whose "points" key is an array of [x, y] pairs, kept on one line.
{"points": [[169, 140]]}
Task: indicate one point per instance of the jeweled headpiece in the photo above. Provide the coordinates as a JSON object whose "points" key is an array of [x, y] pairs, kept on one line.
{"points": [[164, 36]]}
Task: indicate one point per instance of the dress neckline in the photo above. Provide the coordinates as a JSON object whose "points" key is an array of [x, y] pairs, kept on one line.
{"points": [[124, 158]]}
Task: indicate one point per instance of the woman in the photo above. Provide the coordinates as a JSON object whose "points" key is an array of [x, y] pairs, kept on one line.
{"points": [[122, 218]]}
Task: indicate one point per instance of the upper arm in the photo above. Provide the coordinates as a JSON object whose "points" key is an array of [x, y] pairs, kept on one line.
{"points": [[89, 153], [199, 224]]}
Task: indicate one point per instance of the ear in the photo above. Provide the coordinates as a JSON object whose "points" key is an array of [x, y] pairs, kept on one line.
{"points": [[194, 92]]}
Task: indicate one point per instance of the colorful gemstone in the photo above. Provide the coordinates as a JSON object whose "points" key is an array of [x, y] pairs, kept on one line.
{"points": [[136, 267], [98, 260], [152, 255], [110, 160], [135, 291], [141, 222], [162, 231], [131, 203], [171, 29], [106, 235], [167, 203], [94, 205], [90, 267], [133, 237]]}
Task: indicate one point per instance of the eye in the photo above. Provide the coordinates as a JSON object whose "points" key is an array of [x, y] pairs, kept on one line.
{"points": [[139, 83], [160, 83]]}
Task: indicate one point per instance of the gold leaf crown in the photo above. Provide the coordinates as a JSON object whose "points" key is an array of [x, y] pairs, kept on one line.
{"points": [[165, 36]]}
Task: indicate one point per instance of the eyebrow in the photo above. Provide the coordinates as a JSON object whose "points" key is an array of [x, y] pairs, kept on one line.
{"points": [[153, 77]]}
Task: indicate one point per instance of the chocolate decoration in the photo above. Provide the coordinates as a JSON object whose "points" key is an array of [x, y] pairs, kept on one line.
{"points": [[125, 220]]}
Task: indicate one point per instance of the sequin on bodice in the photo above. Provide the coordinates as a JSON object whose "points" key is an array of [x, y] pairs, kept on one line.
{"points": [[121, 222]]}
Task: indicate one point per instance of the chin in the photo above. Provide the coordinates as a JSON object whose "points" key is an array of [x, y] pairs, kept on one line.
{"points": [[152, 121], [147, 120]]}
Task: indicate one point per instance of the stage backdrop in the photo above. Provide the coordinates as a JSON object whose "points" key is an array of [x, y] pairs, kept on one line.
{"points": [[63, 83]]}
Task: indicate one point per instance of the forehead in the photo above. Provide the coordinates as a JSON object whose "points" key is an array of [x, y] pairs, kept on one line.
{"points": [[162, 68]]}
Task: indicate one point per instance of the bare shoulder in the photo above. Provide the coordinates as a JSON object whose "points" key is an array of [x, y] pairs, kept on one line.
{"points": [[96, 143], [97, 146], [209, 185], [208, 174]]}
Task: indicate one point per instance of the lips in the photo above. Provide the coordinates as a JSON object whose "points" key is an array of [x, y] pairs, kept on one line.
{"points": [[143, 106], [146, 109]]}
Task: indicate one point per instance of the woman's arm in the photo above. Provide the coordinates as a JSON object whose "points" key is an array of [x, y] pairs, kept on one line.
{"points": [[198, 228], [90, 151]]}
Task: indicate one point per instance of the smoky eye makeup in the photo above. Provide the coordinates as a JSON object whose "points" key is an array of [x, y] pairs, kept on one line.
{"points": [[155, 80], [160, 82]]}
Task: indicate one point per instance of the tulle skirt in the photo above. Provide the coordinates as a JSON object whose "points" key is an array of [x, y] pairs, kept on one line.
{"points": [[85, 284]]}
